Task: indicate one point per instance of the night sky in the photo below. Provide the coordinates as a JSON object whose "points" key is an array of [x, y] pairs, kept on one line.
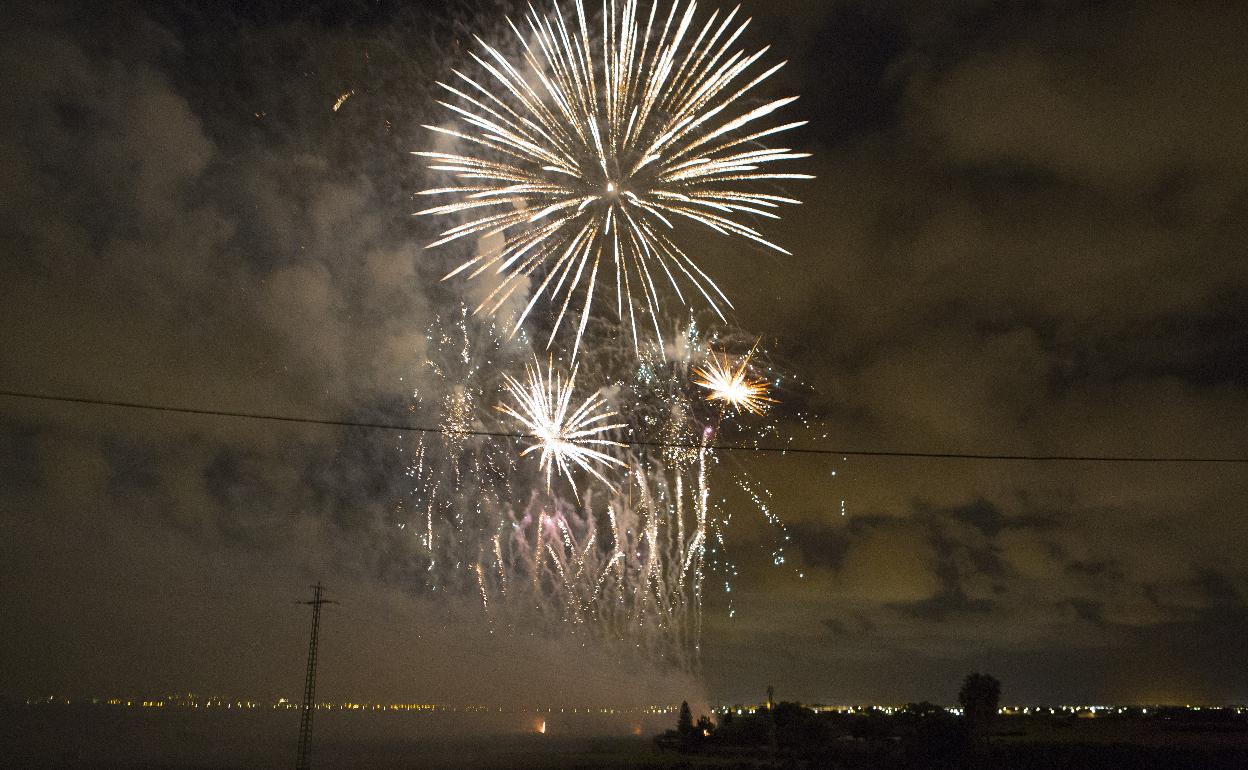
{"points": [[1027, 236]]}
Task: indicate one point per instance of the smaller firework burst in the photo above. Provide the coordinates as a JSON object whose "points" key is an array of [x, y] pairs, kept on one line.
{"points": [[731, 384], [566, 437]]}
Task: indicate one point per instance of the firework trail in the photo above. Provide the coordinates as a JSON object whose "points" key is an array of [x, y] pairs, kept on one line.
{"points": [[627, 558], [584, 150], [459, 483]]}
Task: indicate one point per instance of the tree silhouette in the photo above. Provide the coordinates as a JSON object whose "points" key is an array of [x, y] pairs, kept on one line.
{"points": [[979, 697], [923, 709], [684, 723]]}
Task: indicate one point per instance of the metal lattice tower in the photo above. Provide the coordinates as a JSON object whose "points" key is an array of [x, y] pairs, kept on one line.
{"points": [[309, 683]]}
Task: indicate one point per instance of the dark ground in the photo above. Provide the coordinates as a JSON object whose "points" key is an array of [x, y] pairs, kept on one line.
{"points": [[97, 736], [104, 736]]}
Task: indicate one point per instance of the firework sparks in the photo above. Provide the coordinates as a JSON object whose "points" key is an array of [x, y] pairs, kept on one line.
{"points": [[566, 437], [731, 384], [584, 160], [342, 98], [626, 562], [574, 152]]}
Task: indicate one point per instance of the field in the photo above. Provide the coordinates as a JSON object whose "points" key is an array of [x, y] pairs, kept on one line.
{"points": [[96, 736]]}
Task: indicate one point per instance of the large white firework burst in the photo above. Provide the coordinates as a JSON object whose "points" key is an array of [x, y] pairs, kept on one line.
{"points": [[566, 437], [583, 155]]}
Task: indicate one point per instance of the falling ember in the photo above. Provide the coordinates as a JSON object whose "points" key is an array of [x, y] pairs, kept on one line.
{"points": [[342, 98], [541, 727], [485, 597], [731, 384], [585, 154], [457, 414]]}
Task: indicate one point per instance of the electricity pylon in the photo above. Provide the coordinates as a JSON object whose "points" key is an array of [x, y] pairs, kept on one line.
{"points": [[309, 683]]}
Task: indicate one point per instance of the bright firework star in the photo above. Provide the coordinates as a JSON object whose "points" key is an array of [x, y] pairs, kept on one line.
{"points": [[731, 384], [584, 160], [565, 438]]}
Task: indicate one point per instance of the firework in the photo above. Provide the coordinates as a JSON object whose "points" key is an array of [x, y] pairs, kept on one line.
{"points": [[584, 150], [730, 383], [572, 158], [624, 561], [565, 437], [460, 484]]}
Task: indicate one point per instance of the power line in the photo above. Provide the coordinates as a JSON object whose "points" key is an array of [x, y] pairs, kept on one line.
{"points": [[631, 442]]}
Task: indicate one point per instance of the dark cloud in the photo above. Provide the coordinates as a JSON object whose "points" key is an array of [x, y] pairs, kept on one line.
{"points": [[1038, 252], [1027, 236], [943, 605], [133, 467], [19, 460]]}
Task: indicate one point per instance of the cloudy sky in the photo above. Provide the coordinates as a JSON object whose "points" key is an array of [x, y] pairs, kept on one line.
{"points": [[1027, 236]]}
